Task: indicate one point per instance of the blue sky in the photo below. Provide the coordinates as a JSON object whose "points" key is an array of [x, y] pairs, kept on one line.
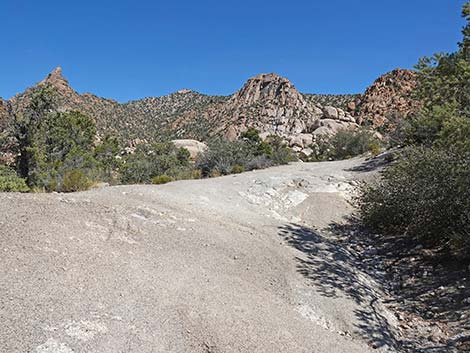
{"points": [[132, 49]]}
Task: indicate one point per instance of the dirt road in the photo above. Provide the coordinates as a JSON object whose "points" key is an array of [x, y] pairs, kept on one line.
{"points": [[231, 264]]}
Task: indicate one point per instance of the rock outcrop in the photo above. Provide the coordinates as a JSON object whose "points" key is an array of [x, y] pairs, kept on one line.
{"points": [[271, 104], [389, 95], [195, 148]]}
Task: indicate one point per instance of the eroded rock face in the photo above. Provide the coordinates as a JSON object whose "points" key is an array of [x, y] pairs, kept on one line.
{"points": [[390, 94], [271, 104], [330, 112], [57, 80]]}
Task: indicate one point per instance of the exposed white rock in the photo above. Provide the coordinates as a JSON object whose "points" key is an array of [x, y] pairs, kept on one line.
{"points": [[195, 148]]}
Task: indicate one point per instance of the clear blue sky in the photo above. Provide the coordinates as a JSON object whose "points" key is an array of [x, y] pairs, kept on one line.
{"points": [[133, 49]]}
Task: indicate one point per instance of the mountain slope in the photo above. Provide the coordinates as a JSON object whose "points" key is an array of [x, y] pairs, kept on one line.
{"points": [[391, 94], [267, 102]]}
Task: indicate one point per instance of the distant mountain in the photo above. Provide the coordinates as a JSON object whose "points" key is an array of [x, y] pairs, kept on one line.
{"points": [[268, 102]]}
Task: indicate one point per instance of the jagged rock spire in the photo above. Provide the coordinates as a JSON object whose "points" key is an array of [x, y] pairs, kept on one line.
{"points": [[57, 80]]}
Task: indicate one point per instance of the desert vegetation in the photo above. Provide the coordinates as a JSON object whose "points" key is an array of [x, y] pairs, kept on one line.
{"points": [[346, 143], [425, 192], [61, 151], [335, 100], [249, 152]]}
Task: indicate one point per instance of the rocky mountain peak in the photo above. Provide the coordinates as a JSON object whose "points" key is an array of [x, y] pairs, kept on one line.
{"points": [[57, 80], [271, 104], [268, 87], [184, 91]]}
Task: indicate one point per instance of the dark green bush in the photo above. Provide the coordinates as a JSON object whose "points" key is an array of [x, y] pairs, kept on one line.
{"points": [[345, 144], [251, 134], [62, 142], [107, 154], [278, 152], [425, 194], [75, 180], [249, 152], [222, 155], [150, 160], [10, 181]]}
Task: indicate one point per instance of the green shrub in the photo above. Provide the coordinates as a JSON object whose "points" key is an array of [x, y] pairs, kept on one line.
{"points": [[375, 148], [222, 155], [345, 144], [425, 194], [155, 159], [75, 180], [60, 144], [107, 154], [196, 174], [10, 181], [455, 133], [251, 134], [351, 143], [321, 148], [250, 152], [161, 179], [279, 152], [214, 173], [237, 169]]}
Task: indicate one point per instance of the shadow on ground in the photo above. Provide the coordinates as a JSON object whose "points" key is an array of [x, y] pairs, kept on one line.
{"points": [[337, 259], [375, 163]]}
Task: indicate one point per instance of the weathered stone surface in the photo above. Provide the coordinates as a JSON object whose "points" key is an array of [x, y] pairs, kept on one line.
{"points": [[323, 131], [269, 103], [330, 112], [352, 106], [390, 95], [301, 140], [195, 148], [272, 105], [307, 151]]}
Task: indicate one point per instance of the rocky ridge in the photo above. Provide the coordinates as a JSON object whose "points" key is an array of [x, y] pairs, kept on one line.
{"points": [[267, 102]]}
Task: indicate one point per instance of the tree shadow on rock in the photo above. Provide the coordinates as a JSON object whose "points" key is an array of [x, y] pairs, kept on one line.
{"points": [[335, 273], [374, 163], [344, 261]]}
